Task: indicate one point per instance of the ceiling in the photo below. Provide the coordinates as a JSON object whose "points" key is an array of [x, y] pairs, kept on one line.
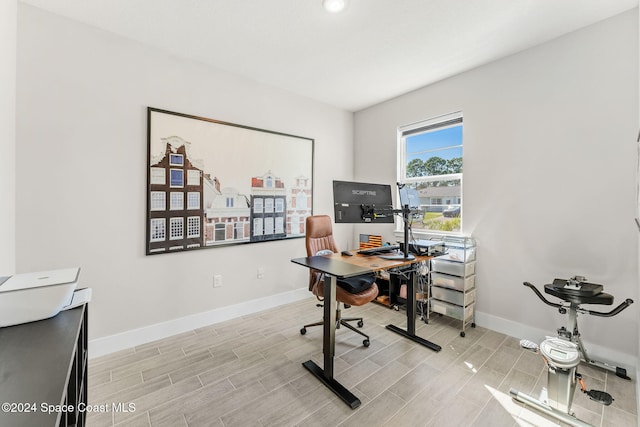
{"points": [[372, 51]]}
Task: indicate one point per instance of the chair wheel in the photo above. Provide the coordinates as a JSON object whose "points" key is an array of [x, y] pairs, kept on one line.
{"points": [[303, 331], [365, 343], [473, 325], [360, 323], [462, 334]]}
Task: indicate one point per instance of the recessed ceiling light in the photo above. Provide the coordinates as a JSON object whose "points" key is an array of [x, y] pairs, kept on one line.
{"points": [[333, 6]]}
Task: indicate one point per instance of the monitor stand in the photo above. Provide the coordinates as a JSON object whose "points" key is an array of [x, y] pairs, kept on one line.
{"points": [[404, 255]]}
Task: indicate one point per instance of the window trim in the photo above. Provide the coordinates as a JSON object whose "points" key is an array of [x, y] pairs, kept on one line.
{"points": [[441, 122]]}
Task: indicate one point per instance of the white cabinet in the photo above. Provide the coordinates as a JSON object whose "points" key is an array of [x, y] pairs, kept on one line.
{"points": [[452, 286]]}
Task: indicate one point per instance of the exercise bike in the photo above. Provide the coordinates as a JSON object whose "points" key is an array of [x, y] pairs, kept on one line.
{"points": [[564, 353]]}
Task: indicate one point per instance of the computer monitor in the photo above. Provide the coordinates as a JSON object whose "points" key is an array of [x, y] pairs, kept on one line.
{"points": [[359, 202], [409, 197]]}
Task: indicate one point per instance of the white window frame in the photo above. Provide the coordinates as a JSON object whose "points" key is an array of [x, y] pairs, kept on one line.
{"points": [[258, 227], [279, 225], [158, 201], [279, 201], [193, 200], [176, 224], [301, 200], [158, 176], [176, 156], [181, 172], [435, 123], [269, 225], [158, 230], [258, 205], [193, 226], [176, 201], [193, 177], [268, 205]]}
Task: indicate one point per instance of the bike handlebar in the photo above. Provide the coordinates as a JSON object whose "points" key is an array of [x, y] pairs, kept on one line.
{"points": [[544, 300], [613, 312]]}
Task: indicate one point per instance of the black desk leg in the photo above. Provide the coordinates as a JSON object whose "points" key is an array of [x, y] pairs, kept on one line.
{"points": [[328, 347], [411, 318]]}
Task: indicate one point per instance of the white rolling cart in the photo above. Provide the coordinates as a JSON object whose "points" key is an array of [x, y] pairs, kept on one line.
{"points": [[452, 285]]}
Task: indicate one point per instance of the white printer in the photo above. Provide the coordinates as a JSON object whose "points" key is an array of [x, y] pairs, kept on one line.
{"points": [[29, 297]]}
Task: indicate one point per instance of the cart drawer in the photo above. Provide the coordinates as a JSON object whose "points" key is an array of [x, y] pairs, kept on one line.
{"points": [[453, 296], [444, 265], [460, 254], [453, 282], [451, 310]]}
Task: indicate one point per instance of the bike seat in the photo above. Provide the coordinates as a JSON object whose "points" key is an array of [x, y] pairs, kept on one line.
{"points": [[586, 293]]}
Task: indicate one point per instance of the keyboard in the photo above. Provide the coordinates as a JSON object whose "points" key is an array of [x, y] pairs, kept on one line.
{"points": [[379, 250]]}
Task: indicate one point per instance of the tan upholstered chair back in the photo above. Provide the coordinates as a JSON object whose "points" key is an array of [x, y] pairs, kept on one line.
{"points": [[318, 237]]}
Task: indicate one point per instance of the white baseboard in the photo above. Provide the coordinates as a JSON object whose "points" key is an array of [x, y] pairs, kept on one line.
{"points": [[106, 345], [519, 330]]}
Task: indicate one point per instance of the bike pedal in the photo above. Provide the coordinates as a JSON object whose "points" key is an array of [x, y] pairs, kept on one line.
{"points": [[529, 345], [600, 397]]}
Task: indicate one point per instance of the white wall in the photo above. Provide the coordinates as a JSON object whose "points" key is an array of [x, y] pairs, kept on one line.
{"points": [[549, 174], [8, 28], [81, 174]]}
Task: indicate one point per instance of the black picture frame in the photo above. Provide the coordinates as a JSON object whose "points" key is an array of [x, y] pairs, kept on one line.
{"points": [[212, 183]]}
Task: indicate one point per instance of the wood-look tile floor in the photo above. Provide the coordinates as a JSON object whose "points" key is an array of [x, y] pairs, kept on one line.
{"points": [[248, 372]]}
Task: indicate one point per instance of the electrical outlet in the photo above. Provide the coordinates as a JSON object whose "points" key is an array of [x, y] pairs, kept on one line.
{"points": [[260, 273], [217, 280]]}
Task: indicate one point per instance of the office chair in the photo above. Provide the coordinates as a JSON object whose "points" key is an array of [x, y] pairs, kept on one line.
{"points": [[319, 237]]}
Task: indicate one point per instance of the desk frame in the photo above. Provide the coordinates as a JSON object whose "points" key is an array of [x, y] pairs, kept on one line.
{"points": [[410, 332], [337, 266]]}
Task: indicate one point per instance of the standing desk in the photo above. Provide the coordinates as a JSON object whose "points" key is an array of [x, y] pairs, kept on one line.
{"points": [[336, 267]]}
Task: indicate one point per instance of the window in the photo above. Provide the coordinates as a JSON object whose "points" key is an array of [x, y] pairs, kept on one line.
{"points": [[193, 200], [176, 160], [430, 161], [229, 202], [257, 227], [257, 205], [279, 225], [158, 176], [158, 201], [268, 225], [177, 201], [177, 178], [238, 230], [268, 205], [158, 229], [301, 200], [193, 226], [193, 177], [220, 233], [176, 228], [279, 205]]}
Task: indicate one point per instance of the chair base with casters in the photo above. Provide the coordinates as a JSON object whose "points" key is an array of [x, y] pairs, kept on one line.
{"points": [[340, 321], [348, 299]]}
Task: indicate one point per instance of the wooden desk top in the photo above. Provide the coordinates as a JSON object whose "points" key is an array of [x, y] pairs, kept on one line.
{"points": [[346, 266], [375, 263]]}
